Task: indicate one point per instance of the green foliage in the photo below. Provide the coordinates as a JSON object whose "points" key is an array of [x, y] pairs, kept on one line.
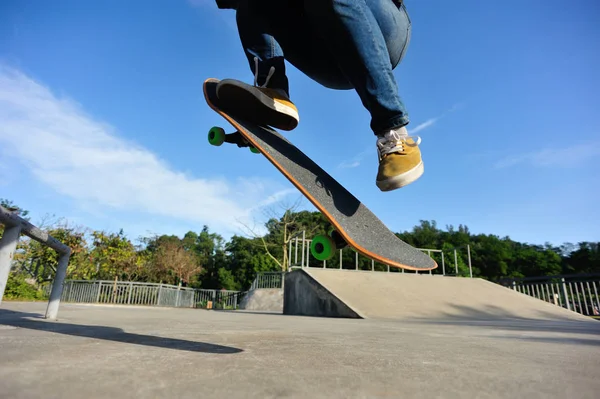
{"points": [[204, 259], [17, 288]]}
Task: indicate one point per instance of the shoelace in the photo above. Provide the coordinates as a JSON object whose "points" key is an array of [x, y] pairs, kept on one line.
{"points": [[392, 141], [271, 72]]}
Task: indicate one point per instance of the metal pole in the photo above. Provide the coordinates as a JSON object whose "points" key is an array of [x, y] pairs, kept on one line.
{"points": [[455, 263], [356, 260], [8, 246], [307, 257], [565, 293], [296, 252], [289, 254], [469, 255], [443, 265], [303, 244], [57, 286]]}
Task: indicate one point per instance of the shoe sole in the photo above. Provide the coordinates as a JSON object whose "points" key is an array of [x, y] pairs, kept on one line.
{"points": [[254, 105], [402, 180]]}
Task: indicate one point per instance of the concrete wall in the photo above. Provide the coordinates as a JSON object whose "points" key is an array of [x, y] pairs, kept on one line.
{"points": [[304, 296], [269, 300]]}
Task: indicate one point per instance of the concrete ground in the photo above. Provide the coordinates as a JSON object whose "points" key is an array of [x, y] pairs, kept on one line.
{"points": [[134, 352]]}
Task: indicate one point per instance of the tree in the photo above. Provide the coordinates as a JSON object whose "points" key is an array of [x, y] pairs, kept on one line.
{"points": [[246, 258], [175, 262], [113, 255], [280, 230], [41, 261], [585, 258]]}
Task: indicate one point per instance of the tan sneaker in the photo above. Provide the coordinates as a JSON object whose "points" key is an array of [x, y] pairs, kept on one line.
{"points": [[259, 104], [400, 160]]}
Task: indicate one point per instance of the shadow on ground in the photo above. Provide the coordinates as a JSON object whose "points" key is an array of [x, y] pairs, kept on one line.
{"points": [[501, 319], [34, 321]]}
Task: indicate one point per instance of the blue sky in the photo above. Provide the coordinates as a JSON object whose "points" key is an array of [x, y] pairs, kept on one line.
{"points": [[103, 121]]}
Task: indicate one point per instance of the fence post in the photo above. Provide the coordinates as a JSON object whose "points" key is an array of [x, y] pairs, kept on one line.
{"points": [[469, 255], [443, 265], [455, 263], [99, 291], [564, 288], [159, 294], [130, 291]]}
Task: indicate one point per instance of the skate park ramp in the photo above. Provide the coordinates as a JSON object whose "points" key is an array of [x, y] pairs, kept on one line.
{"points": [[410, 296], [265, 299]]}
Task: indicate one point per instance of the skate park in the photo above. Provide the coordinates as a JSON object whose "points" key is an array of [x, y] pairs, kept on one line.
{"points": [[141, 258], [310, 332]]}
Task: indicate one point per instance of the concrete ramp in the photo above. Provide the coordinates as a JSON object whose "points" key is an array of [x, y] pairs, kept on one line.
{"points": [[409, 296], [264, 299]]}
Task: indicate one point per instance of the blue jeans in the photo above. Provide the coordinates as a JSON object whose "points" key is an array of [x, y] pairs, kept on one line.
{"points": [[341, 44]]}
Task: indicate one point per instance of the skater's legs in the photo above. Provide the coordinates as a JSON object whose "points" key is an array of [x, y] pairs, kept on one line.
{"points": [[272, 30], [342, 44], [368, 38]]}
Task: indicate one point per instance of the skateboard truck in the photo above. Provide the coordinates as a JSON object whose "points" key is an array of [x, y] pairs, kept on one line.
{"points": [[217, 136]]}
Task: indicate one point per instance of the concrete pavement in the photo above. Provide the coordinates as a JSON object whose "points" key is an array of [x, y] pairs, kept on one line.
{"points": [[135, 352]]}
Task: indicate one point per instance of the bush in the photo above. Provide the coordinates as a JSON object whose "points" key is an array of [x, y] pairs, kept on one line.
{"points": [[19, 289]]}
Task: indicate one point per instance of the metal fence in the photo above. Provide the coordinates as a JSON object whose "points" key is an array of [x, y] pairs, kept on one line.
{"points": [[147, 294], [299, 256], [266, 280], [578, 293]]}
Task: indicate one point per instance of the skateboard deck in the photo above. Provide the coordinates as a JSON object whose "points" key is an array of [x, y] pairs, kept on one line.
{"points": [[354, 224]]}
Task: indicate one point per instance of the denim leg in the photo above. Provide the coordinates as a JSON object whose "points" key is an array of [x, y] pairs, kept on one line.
{"points": [[257, 23], [368, 38], [341, 44]]}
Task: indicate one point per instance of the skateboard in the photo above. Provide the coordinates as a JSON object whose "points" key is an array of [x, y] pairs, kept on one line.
{"points": [[353, 224]]}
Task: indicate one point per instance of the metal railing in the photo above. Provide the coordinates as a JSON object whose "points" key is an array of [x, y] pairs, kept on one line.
{"points": [[267, 280], [578, 293], [299, 256], [147, 294], [14, 226]]}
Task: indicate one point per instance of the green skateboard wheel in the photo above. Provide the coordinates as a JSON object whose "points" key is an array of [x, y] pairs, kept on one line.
{"points": [[216, 136], [322, 247]]}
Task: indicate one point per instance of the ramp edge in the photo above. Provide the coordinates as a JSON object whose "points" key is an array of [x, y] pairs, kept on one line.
{"points": [[304, 295]]}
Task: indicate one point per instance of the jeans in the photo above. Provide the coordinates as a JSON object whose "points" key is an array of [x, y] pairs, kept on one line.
{"points": [[341, 44]]}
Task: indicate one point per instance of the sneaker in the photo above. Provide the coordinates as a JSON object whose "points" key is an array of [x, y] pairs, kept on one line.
{"points": [[259, 104], [400, 160]]}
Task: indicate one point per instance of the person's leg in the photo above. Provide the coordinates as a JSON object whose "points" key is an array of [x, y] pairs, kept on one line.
{"points": [[341, 44], [272, 31], [368, 38]]}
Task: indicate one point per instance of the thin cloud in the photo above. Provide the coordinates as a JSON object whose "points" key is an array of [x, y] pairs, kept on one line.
{"points": [[355, 162], [567, 157], [357, 159], [84, 159], [432, 121], [423, 126]]}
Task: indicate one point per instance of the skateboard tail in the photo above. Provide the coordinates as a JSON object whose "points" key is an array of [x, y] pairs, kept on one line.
{"points": [[302, 189]]}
